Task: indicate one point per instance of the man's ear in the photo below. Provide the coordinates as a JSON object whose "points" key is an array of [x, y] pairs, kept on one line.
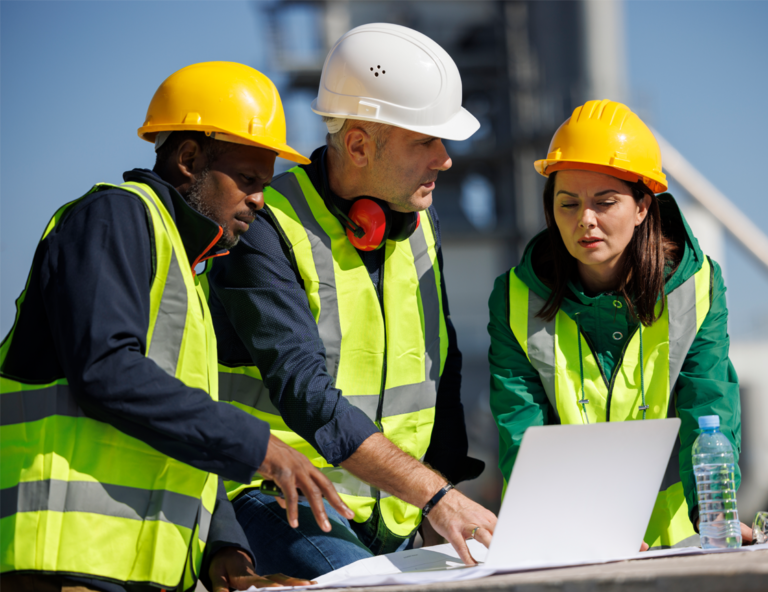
{"points": [[190, 160], [359, 145]]}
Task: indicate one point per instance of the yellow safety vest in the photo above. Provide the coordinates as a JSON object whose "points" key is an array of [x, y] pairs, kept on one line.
{"points": [[553, 349], [80, 496], [386, 357]]}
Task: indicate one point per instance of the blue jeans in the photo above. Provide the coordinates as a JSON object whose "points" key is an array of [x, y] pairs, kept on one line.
{"points": [[308, 552]]}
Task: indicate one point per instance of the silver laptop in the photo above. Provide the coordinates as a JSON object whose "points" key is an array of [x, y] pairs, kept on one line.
{"points": [[581, 493], [577, 494]]}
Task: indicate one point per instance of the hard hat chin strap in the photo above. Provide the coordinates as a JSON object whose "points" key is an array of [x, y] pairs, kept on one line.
{"points": [[334, 124], [160, 139]]}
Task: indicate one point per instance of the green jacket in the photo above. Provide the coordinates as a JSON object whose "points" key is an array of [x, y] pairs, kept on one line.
{"points": [[707, 384]]}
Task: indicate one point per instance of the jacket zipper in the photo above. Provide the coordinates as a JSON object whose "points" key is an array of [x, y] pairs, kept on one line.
{"points": [[380, 294], [380, 408], [609, 384], [200, 259]]}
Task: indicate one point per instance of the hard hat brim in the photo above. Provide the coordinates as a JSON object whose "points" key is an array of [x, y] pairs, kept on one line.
{"points": [[545, 167], [460, 127], [148, 133]]}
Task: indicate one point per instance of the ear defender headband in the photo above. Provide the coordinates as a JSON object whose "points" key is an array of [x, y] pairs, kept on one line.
{"points": [[371, 222]]}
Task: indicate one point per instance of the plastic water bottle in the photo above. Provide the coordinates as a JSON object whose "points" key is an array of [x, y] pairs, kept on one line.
{"points": [[713, 466]]}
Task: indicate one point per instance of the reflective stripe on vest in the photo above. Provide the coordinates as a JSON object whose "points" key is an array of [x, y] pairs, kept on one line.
{"points": [[399, 394], [81, 497], [553, 350]]}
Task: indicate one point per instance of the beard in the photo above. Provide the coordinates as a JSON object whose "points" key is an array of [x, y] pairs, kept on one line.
{"points": [[202, 198]]}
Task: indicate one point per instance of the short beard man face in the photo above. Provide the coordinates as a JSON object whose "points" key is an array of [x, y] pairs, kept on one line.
{"points": [[202, 198], [227, 190]]}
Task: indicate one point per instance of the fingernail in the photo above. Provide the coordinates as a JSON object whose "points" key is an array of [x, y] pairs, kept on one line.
{"points": [[327, 525]]}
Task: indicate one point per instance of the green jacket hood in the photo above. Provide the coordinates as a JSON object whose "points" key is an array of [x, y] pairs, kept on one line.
{"points": [[690, 262]]}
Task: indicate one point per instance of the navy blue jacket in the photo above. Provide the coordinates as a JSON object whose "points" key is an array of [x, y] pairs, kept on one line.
{"points": [[86, 316], [261, 316]]}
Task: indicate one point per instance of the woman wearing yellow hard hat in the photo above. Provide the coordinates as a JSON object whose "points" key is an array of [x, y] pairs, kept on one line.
{"points": [[614, 312]]}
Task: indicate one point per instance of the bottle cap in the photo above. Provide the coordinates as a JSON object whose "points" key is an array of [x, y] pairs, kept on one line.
{"points": [[709, 421]]}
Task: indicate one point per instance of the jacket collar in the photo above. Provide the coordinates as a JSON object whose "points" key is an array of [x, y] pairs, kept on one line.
{"points": [[199, 234]]}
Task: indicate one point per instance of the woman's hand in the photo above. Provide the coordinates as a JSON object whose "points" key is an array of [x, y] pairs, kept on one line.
{"points": [[746, 533]]}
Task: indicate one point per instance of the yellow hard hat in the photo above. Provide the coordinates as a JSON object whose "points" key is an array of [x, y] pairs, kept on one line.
{"points": [[225, 99], [606, 137]]}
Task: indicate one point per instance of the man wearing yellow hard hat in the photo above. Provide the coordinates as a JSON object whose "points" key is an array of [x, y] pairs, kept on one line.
{"points": [[614, 312], [113, 439], [333, 316]]}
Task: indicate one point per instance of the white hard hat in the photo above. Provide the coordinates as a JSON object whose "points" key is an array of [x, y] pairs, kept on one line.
{"points": [[397, 76]]}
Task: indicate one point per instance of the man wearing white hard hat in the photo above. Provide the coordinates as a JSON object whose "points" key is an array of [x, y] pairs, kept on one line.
{"points": [[332, 315]]}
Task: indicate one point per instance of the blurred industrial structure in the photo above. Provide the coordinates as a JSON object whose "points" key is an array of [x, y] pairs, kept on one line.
{"points": [[525, 66]]}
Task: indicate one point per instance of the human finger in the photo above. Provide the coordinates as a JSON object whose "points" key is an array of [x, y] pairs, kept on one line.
{"points": [[644, 546], [746, 534], [219, 583], [285, 580], [315, 498], [243, 583], [483, 536], [489, 521], [329, 492], [457, 542], [290, 499]]}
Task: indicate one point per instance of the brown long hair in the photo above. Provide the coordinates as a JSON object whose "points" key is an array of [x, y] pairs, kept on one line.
{"points": [[642, 272]]}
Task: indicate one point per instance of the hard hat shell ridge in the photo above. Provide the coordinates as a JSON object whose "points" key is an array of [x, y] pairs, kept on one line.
{"points": [[606, 137], [397, 76], [225, 98]]}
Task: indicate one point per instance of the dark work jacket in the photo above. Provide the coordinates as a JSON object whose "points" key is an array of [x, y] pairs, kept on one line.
{"points": [[86, 317], [262, 317]]}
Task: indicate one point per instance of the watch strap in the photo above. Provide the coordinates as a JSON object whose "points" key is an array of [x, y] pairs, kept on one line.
{"points": [[436, 498]]}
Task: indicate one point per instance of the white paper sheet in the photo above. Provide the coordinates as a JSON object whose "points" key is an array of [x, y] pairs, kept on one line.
{"points": [[442, 564], [431, 559]]}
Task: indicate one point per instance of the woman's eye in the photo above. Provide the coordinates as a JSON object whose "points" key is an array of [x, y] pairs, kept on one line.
{"points": [[607, 203], [568, 205]]}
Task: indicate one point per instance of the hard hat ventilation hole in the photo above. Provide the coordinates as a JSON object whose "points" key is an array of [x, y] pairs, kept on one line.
{"points": [[375, 73]]}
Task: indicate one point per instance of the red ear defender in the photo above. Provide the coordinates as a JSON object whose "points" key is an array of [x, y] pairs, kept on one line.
{"points": [[372, 218]]}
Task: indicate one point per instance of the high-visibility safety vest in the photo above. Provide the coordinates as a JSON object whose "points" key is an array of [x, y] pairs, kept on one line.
{"points": [[386, 352], [81, 497], [553, 349]]}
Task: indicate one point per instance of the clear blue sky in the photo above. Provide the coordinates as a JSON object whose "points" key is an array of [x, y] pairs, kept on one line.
{"points": [[76, 78], [75, 82], [699, 70]]}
